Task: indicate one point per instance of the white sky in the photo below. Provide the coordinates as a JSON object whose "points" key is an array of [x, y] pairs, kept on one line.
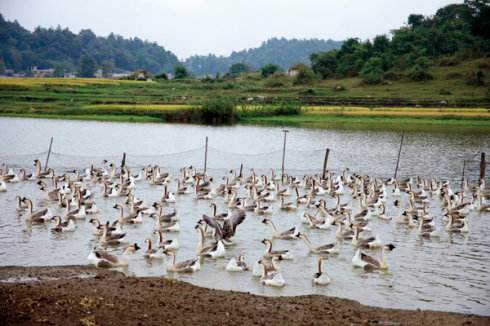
{"points": [[189, 27]]}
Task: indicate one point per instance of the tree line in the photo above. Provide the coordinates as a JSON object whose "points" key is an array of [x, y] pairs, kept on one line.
{"points": [[64, 50], [455, 30]]}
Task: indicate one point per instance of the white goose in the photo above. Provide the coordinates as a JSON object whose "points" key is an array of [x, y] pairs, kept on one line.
{"points": [[321, 277], [103, 259], [289, 234], [237, 264]]}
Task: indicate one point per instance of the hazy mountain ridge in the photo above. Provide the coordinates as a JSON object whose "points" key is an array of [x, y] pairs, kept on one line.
{"points": [[281, 51]]}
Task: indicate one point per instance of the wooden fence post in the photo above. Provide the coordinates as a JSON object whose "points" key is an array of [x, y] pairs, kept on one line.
{"points": [[49, 154], [285, 131], [206, 156], [123, 162], [482, 167], [399, 152], [325, 160]]}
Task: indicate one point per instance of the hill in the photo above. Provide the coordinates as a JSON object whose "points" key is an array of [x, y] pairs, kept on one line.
{"points": [[279, 51], [60, 48]]}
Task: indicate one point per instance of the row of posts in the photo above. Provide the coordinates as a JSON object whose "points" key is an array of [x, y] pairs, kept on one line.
{"points": [[483, 163]]}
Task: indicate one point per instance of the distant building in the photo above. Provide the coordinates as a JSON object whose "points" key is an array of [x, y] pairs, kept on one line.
{"points": [[98, 73], [41, 73], [120, 75], [69, 75], [293, 71]]}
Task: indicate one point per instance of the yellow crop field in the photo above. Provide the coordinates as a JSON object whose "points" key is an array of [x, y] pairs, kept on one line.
{"points": [[143, 107], [37, 82], [396, 111]]}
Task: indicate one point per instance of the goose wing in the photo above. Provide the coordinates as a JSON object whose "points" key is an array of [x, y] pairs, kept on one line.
{"points": [[326, 246], [215, 225], [106, 256], [370, 260], [186, 264], [231, 223], [39, 213]]}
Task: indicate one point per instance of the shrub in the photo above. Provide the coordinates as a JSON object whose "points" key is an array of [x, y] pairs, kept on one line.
{"points": [[391, 75], [454, 75], [308, 92], [339, 88], [275, 81], [162, 76], [476, 78], [419, 73], [229, 86], [288, 108], [444, 91], [305, 75], [218, 111]]}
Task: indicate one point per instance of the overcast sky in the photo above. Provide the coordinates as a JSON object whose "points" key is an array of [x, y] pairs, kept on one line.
{"points": [[189, 27]]}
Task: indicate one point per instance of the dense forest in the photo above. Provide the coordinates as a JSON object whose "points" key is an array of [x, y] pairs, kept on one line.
{"points": [[279, 51], [455, 33], [60, 48]]}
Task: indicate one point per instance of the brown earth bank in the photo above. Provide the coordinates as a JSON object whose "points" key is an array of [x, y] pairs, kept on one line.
{"points": [[81, 295]]}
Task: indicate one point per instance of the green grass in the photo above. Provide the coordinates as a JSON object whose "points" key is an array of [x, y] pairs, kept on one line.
{"points": [[381, 121], [93, 117], [258, 99]]}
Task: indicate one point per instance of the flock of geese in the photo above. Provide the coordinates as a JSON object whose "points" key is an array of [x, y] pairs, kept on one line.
{"points": [[72, 195]]}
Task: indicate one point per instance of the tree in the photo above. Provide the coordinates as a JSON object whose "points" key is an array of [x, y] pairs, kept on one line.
{"points": [[419, 71], [58, 71], [237, 69], [88, 66], [480, 24], [269, 69], [180, 72], [107, 68], [372, 71], [2, 68], [305, 75], [161, 76], [324, 64], [415, 20]]}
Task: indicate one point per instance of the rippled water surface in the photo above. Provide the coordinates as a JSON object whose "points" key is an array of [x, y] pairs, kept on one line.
{"points": [[447, 274]]}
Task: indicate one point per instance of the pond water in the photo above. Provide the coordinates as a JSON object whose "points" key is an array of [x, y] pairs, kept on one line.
{"points": [[449, 274]]}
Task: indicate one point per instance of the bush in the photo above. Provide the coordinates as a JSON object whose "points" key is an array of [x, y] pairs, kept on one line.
{"points": [[391, 75], [444, 91], [308, 92], [454, 75], [275, 80], [339, 88], [419, 73], [476, 78], [305, 75], [218, 111], [269, 69], [288, 108], [229, 86], [162, 76]]}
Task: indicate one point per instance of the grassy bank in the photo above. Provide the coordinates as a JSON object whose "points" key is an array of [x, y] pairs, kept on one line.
{"points": [[447, 100], [287, 114]]}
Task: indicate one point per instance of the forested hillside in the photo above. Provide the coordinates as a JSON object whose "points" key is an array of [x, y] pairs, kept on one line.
{"points": [[60, 48], [456, 33], [279, 51]]}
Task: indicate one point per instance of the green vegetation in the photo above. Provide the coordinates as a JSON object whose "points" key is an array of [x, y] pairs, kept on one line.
{"points": [[279, 51], [456, 32], [60, 48], [439, 63]]}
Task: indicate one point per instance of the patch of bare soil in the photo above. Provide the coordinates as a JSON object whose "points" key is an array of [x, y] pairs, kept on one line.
{"points": [[80, 295]]}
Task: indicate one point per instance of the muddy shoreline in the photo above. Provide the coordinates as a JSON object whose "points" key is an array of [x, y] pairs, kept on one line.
{"points": [[81, 295]]}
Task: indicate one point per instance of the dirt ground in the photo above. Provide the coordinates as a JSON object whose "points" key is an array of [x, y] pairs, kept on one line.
{"points": [[80, 295]]}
